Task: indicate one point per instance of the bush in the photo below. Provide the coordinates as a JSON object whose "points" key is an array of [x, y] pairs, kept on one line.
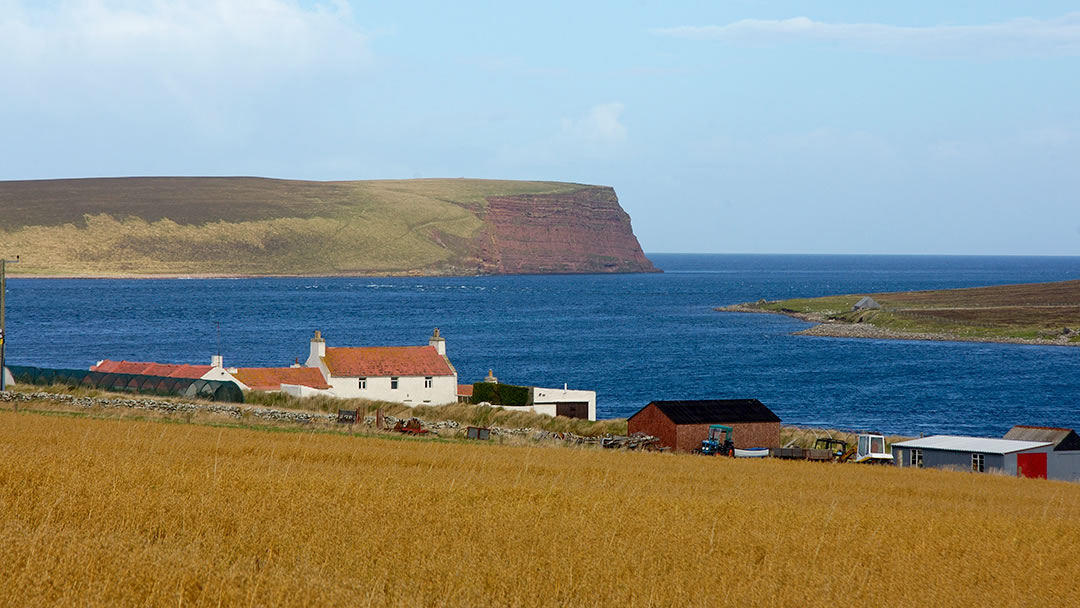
{"points": [[501, 394]]}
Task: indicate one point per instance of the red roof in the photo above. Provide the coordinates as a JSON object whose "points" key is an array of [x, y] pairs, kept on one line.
{"points": [[169, 370], [271, 378], [387, 361], [464, 390]]}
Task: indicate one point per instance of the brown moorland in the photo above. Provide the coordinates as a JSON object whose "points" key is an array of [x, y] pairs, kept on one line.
{"points": [[1046, 313], [235, 226], [106, 512]]}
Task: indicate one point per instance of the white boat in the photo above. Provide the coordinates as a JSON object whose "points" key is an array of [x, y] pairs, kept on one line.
{"points": [[751, 453]]}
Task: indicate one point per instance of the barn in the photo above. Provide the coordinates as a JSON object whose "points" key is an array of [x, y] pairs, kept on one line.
{"points": [[1062, 461], [682, 425], [978, 454]]}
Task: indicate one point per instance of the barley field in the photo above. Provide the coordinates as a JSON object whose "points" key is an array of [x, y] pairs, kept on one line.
{"points": [[130, 512]]}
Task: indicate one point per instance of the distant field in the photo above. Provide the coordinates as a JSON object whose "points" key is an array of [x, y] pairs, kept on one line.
{"points": [[1034, 311], [237, 226], [106, 512]]}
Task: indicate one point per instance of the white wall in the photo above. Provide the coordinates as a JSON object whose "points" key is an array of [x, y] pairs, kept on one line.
{"points": [[543, 397], [1064, 466], [410, 390], [298, 390]]}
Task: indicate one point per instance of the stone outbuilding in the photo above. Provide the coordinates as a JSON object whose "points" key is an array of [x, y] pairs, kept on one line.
{"points": [[682, 425], [866, 303]]}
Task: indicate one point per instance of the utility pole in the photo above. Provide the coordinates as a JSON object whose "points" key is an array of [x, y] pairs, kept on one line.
{"points": [[3, 294]]}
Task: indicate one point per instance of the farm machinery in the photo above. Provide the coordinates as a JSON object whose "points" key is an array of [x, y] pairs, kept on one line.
{"points": [[721, 441]]}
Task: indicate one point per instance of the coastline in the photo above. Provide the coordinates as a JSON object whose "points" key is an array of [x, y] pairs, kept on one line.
{"points": [[364, 275], [825, 328]]}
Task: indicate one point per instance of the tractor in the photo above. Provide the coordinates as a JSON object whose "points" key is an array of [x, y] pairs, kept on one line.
{"points": [[838, 448], [871, 450], [721, 441]]}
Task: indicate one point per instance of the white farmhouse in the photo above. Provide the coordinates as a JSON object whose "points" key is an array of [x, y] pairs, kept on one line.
{"points": [[413, 375]]}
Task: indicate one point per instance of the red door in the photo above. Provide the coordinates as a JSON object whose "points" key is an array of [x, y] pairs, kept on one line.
{"points": [[1031, 465]]}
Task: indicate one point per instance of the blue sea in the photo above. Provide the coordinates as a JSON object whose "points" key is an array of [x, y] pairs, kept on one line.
{"points": [[631, 338]]}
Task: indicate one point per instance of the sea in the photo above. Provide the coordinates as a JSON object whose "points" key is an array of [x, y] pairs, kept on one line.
{"points": [[632, 338]]}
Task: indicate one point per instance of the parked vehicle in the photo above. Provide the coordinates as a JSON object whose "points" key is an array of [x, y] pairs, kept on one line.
{"points": [[721, 441]]}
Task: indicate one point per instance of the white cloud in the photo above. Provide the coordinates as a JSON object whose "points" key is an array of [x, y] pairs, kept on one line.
{"points": [[599, 129], [1025, 36], [175, 47], [597, 135]]}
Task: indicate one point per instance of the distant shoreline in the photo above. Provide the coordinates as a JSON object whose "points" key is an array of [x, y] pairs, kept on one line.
{"points": [[366, 275], [825, 328]]}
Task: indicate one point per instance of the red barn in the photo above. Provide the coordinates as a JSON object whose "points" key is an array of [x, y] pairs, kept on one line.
{"points": [[682, 425]]}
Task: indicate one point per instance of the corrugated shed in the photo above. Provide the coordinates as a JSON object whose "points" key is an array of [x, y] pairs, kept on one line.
{"points": [[377, 361], [985, 445], [1062, 439], [714, 411]]}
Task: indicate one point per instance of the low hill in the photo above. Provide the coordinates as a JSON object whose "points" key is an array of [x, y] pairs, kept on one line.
{"points": [[258, 226], [1039, 313]]}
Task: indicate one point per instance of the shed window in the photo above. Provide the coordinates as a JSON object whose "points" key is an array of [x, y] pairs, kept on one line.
{"points": [[362, 384], [393, 382], [427, 382], [916, 458], [978, 462]]}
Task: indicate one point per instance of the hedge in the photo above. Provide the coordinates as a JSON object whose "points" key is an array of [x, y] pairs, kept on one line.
{"points": [[501, 394]]}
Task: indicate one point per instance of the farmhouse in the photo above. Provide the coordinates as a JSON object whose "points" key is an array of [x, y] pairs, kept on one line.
{"points": [[682, 425], [978, 454], [567, 402], [413, 375]]}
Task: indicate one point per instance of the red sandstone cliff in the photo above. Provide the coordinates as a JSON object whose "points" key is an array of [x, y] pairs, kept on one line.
{"points": [[583, 231]]}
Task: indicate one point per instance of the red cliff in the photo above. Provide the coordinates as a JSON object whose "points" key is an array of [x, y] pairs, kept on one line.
{"points": [[583, 231]]}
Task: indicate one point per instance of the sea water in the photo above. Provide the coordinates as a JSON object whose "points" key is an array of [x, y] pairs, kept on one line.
{"points": [[631, 338]]}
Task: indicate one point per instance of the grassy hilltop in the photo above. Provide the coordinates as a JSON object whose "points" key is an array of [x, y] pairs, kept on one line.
{"points": [[258, 226], [114, 511], [1042, 313]]}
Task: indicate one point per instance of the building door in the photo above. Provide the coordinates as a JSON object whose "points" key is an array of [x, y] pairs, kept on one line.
{"points": [[572, 409], [1031, 465]]}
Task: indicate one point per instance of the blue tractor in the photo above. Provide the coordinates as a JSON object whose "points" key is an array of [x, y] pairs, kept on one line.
{"points": [[721, 441]]}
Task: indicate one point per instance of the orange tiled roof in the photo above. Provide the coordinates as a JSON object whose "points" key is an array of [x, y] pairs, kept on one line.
{"points": [[271, 378], [169, 370], [464, 390], [387, 361]]}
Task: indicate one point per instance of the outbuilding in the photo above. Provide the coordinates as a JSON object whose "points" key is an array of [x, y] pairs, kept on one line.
{"points": [[1063, 461], [977, 454], [682, 425]]}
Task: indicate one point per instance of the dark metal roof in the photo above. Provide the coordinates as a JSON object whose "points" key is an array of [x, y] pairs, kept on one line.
{"points": [[715, 411], [1063, 439]]}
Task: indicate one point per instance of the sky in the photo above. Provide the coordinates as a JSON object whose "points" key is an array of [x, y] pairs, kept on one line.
{"points": [[724, 126]]}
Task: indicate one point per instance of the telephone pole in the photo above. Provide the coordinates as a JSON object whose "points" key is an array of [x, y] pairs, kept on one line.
{"points": [[3, 294]]}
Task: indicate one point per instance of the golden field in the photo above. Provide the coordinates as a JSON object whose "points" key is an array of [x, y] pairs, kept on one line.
{"points": [[124, 512]]}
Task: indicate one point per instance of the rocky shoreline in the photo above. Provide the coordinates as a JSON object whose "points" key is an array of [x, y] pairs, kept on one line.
{"points": [[837, 329]]}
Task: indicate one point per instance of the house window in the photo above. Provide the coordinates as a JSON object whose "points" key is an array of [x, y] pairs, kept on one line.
{"points": [[978, 462], [427, 382], [916, 458], [393, 382], [362, 383]]}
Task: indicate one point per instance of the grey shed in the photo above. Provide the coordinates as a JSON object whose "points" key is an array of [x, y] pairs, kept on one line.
{"points": [[866, 303]]}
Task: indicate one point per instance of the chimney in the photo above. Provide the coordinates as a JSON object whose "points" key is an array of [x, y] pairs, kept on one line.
{"points": [[217, 361], [318, 349], [438, 342], [491, 377]]}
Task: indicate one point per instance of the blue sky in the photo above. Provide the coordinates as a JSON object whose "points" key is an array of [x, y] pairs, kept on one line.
{"points": [[732, 127]]}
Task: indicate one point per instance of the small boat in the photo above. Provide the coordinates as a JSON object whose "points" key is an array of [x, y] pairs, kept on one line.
{"points": [[751, 453]]}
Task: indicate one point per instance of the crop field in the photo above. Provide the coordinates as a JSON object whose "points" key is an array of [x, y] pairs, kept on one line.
{"points": [[1028, 311], [242, 225], [106, 512]]}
